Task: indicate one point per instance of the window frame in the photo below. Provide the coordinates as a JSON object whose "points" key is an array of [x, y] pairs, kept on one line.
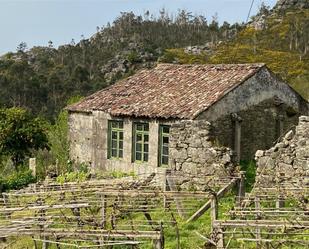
{"points": [[143, 133], [161, 154], [118, 130]]}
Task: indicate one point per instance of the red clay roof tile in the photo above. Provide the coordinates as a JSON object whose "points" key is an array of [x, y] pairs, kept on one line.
{"points": [[168, 91]]}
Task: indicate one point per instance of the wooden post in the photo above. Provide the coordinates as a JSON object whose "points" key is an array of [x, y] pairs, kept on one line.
{"points": [[207, 205], [103, 211], [237, 139], [104, 219], [159, 243], [45, 245], [165, 186], [280, 199], [35, 243], [178, 202], [280, 202], [241, 188], [42, 215], [237, 135], [32, 166], [213, 211], [42, 219], [258, 216]]}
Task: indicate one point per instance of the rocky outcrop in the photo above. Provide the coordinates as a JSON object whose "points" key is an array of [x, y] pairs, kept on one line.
{"points": [[192, 150], [200, 49], [259, 21], [287, 163], [283, 5], [126, 62]]}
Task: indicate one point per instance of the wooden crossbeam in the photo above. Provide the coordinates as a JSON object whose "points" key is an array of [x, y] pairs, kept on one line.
{"points": [[77, 233], [104, 243], [262, 223], [42, 207], [207, 205], [125, 193]]}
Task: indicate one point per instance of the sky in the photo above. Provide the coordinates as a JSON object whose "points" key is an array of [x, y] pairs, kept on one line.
{"points": [[38, 21]]}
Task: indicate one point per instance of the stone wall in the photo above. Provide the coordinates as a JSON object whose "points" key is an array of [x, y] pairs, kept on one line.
{"points": [[80, 137], [262, 123], [288, 161], [192, 150]]}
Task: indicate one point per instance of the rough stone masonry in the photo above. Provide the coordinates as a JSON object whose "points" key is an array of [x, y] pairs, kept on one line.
{"points": [[193, 151], [287, 163]]}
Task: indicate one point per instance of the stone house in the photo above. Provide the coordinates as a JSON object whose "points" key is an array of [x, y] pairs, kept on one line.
{"points": [[129, 126]]}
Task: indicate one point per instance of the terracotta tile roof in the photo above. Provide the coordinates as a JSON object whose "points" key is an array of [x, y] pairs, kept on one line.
{"points": [[168, 91]]}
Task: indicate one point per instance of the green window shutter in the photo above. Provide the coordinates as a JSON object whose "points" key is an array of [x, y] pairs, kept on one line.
{"points": [[164, 133], [115, 139], [140, 142]]}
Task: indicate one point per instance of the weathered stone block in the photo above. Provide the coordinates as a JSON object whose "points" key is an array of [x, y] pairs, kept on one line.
{"points": [[289, 135], [288, 159], [304, 119], [259, 153]]}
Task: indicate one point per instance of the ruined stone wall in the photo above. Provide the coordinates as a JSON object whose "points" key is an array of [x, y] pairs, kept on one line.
{"points": [[261, 126], [288, 161], [192, 150]]}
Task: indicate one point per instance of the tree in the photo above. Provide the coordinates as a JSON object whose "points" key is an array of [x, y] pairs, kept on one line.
{"points": [[264, 9], [20, 133], [21, 48], [58, 139]]}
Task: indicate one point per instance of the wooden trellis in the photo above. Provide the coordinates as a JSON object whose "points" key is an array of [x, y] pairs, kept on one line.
{"points": [[105, 212], [268, 217]]}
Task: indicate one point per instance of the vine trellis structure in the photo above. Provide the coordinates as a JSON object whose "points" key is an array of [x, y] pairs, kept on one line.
{"points": [[110, 212], [269, 217]]}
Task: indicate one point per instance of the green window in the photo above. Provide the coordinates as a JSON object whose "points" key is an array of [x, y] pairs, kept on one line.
{"points": [[115, 139], [141, 142], [164, 133]]}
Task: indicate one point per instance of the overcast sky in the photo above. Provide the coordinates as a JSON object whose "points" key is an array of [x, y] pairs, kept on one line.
{"points": [[38, 21]]}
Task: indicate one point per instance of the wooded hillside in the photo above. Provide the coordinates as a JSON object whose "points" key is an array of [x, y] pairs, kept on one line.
{"points": [[43, 78]]}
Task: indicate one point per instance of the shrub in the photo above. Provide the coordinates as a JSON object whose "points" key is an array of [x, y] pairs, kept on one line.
{"points": [[73, 177], [134, 57], [17, 180], [250, 168]]}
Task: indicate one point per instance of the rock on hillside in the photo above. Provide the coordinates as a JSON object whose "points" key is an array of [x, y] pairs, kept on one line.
{"points": [[291, 4]]}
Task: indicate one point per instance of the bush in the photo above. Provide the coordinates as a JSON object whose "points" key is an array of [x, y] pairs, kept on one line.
{"points": [[17, 180], [73, 177], [250, 168], [134, 57]]}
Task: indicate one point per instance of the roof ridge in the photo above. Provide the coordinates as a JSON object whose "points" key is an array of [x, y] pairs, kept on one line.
{"points": [[213, 64]]}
